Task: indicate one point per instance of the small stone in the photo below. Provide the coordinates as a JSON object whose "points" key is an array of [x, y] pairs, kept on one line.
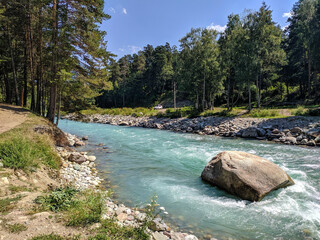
{"points": [[91, 158], [79, 144], [304, 142], [77, 167], [159, 236], [122, 216], [85, 138], [5, 180], [191, 237], [311, 143]]}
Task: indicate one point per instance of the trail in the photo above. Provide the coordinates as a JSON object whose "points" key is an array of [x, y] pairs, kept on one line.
{"points": [[11, 116]]}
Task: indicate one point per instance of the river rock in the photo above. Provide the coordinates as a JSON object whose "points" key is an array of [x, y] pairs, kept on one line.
{"points": [[159, 236], [77, 158], [245, 175], [250, 132]]}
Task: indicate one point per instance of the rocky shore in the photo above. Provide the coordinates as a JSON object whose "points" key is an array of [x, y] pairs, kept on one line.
{"points": [[291, 130], [78, 169]]}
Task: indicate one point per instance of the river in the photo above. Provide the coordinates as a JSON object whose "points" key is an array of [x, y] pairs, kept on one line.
{"points": [[144, 162]]}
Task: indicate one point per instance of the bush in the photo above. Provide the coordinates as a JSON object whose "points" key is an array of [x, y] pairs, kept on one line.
{"points": [[19, 152], [300, 111], [59, 200], [313, 112]]}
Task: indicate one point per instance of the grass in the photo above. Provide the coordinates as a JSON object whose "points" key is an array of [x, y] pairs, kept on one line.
{"points": [[85, 211], [15, 189], [80, 208], [112, 231], [16, 228], [53, 236], [264, 113], [8, 204], [22, 148], [138, 112]]}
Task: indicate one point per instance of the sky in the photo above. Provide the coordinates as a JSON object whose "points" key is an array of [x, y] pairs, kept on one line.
{"points": [[136, 23]]}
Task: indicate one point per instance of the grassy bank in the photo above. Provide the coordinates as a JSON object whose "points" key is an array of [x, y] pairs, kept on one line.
{"points": [[23, 148], [190, 112]]}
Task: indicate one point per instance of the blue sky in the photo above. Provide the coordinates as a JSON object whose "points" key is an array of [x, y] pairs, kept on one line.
{"points": [[136, 23]]}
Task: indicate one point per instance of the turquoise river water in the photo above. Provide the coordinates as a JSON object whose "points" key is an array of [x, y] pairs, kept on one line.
{"points": [[144, 162]]}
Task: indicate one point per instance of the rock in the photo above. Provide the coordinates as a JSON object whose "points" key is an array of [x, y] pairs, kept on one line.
{"points": [[91, 158], [250, 132], [275, 131], [304, 142], [311, 143], [159, 236], [317, 140], [77, 158], [158, 225], [296, 130], [1, 165], [178, 236], [314, 133], [122, 216], [85, 138], [245, 175], [291, 140], [77, 167], [79, 143], [191, 237], [261, 132]]}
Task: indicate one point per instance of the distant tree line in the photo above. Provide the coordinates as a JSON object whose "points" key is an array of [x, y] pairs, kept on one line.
{"points": [[253, 61], [52, 52]]}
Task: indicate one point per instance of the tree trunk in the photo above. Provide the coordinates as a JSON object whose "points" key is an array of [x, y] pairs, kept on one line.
{"points": [[258, 91], [249, 96], [204, 93], [13, 68], [175, 94], [53, 87], [40, 65], [25, 78], [309, 73], [59, 106], [228, 94]]}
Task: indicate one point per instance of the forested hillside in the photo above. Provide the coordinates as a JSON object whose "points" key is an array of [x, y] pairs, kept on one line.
{"points": [[53, 53], [253, 61]]}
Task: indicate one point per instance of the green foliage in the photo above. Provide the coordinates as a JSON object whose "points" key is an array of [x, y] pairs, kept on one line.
{"points": [[15, 189], [85, 211], [263, 113], [53, 236], [21, 152], [188, 112], [300, 111], [16, 228], [112, 231], [8, 204], [59, 200]]}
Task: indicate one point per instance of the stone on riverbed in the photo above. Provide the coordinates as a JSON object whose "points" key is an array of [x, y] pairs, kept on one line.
{"points": [[245, 175]]}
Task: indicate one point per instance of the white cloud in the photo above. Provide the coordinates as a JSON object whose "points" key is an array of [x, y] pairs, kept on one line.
{"points": [[218, 28], [134, 49], [112, 10], [284, 27], [287, 15], [124, 11], [121, 49]]}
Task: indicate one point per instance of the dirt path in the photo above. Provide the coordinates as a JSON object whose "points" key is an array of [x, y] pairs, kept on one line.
{"points": [[11, 116]]}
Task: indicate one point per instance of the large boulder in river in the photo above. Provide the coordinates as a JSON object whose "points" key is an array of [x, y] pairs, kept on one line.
{"points": [[245, 175]]}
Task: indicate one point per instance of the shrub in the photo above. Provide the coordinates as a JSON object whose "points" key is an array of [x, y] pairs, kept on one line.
{"points": [[263, 113], [59, 200], [300, 111]]}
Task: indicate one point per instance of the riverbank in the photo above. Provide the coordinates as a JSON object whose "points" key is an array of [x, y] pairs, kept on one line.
{"points": [[50, 190], [300, 130]]}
